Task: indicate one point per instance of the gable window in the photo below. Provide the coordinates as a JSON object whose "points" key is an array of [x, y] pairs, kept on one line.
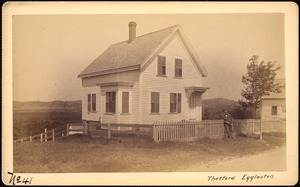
{"points": [[274, 110], [175, 102], [161, 65], [125, 102], [178, 67], [154, 102], [91, 102], [111, 102]]}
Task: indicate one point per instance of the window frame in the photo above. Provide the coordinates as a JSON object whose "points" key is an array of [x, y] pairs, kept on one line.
{"points": [[274, 110], [154, 105], [110, 103], [177, 97], [92, 102], [161, 66], [178, 68]]}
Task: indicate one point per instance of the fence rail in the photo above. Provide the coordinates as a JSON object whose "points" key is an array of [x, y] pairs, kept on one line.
{"points": [[54, 134]]}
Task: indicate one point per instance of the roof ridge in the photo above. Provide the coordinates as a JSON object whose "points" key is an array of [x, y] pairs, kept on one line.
{"points": [[149, 33]]}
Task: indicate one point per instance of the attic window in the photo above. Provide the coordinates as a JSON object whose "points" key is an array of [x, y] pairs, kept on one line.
{"points": [[161, 65], [178, 67]]}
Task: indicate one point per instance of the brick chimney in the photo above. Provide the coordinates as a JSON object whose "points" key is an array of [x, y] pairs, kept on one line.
{"points": [[132, 31]]}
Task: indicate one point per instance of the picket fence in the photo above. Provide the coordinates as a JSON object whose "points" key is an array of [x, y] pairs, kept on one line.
{"points": [[191, 130]]}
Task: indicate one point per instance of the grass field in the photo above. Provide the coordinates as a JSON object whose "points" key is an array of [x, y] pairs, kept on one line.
{"points": [[32, 122], [78, 153]]}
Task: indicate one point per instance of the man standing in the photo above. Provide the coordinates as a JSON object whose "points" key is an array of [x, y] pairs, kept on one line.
{"points": [[227, 124]]}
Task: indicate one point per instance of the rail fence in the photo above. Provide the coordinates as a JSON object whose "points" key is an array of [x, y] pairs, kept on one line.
{"points": [[54, 134]]}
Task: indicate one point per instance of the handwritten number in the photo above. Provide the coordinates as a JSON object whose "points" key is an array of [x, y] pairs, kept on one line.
{"points": [[13, 179]]}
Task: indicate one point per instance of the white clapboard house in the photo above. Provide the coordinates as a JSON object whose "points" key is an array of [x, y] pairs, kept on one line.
{"points": [[153, 77]]}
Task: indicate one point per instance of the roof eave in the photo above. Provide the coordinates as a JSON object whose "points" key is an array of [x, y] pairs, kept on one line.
{"points": [[111, 71]]}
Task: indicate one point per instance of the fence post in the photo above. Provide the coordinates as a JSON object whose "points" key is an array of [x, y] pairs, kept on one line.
{"points": [[45, 134], [41, 137], [153, 132], [30, 138], [68, 129], [108, 132], [53, 135]]}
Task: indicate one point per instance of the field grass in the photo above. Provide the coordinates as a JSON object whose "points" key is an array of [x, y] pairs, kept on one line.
{"points": [[31, 122], [79, 153]]}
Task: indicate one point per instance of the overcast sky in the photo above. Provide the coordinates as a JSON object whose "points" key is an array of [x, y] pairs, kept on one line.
{"points": [[49, 51]]}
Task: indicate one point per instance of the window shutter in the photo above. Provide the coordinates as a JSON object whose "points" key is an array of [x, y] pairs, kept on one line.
{"points": [[93, 102], [125, 102], [179, 103], [113, 102], [89, 102]]}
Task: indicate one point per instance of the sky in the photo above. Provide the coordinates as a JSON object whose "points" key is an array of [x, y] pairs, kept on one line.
{"points": [[49, 51]]}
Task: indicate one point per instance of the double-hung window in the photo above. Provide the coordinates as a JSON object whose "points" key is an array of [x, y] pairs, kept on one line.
{"points": [[175, 102], [91, 102], [178, 67], [111, 102], [154, 102], [161, 65]]}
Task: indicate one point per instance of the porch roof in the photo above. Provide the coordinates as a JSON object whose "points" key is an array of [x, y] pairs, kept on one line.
{"points": [[196, 89]]}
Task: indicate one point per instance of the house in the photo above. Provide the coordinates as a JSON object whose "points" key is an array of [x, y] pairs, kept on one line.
{"points": [[149, 78], [273, 105]]}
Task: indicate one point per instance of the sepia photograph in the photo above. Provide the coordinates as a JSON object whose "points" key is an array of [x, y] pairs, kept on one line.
{"points": [[118, 96]]}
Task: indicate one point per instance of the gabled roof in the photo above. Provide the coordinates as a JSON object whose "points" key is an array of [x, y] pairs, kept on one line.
{"points": [[133, 55]]}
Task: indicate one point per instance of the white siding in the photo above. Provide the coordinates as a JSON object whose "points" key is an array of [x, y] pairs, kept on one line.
{"points": [[267, 109], [166, 85]]}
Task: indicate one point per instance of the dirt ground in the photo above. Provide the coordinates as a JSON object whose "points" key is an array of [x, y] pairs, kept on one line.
{"points": [[272, 160], [136, 154]]}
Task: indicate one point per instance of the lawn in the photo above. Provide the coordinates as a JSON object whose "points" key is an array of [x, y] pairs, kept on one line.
{"points": [[78, 153]]}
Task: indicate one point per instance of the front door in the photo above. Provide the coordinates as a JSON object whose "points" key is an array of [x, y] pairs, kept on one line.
{"points": [[192, 106]]}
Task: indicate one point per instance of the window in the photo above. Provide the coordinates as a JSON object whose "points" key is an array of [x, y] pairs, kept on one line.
{"points": [[111, 102], [125, 102], [161, 65], [274, 110], [283, 109], [91, 102], [175, 102], [178, 67], [154, 102]]}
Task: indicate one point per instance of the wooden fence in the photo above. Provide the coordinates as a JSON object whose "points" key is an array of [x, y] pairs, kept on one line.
{"points": [[54, 134], [174, 130], [162, 131], [191, 130]]}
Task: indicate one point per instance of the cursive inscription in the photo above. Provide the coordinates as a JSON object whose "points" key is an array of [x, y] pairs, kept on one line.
{"points": [[18, 179]]}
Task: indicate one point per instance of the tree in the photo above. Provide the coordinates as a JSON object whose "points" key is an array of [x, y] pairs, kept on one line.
{"points": [[258, 81]]}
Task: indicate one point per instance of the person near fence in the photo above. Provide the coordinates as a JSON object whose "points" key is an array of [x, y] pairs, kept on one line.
{"points": [[228, 124]]}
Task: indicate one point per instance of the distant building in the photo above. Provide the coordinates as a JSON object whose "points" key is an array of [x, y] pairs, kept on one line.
{"points": [[153, 77], [273, 105]]}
